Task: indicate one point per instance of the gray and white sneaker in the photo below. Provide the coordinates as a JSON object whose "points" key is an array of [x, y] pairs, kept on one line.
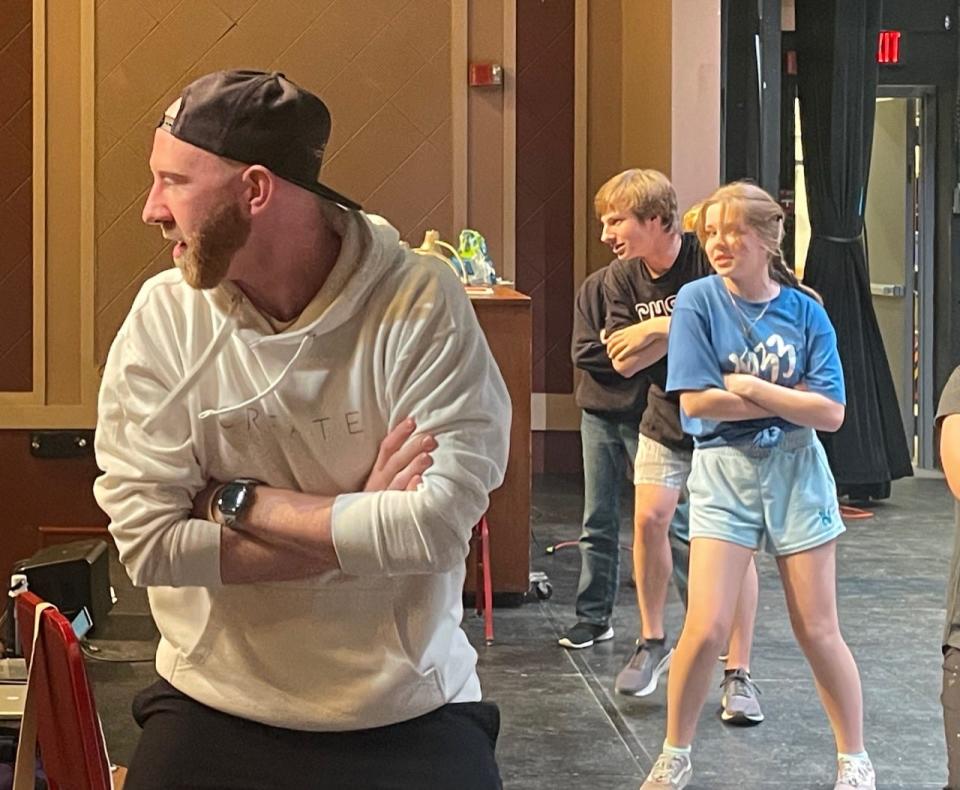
{"points": [[855, 775], [739, 700], [669, 772], [648, 662]]}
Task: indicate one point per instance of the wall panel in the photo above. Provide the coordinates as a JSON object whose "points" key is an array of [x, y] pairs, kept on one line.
{"points": [[382, 67], [544, 192], [16, 197]]}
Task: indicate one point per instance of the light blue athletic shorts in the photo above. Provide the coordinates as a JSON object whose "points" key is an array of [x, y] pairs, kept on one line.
{"points": [[659, 465], [780, 497]]}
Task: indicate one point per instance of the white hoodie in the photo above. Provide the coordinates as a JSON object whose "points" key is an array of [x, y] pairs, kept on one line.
{"points": [[198, 386]]}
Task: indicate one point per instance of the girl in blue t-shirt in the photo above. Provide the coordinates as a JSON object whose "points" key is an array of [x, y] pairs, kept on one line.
{"points": [[754, 357]]}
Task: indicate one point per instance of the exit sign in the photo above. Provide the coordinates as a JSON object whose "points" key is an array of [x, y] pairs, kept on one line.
{"points": [[888, 47]]}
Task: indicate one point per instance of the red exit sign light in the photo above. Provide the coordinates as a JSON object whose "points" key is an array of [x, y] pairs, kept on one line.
{"points": [[888, 47]]}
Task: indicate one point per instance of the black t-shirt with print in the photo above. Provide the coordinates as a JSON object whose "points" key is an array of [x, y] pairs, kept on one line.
{"points": [[633, 294]]}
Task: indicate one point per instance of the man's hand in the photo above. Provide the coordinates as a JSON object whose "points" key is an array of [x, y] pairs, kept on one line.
{"points": [[402, 460]]}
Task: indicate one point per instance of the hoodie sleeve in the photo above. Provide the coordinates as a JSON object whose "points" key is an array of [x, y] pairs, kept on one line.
{"points": [[439, 370], [150, 478], [617, 292], [587, 352]]}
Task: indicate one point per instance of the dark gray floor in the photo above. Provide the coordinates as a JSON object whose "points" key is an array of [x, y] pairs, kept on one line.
{"points": [[564, 727]]}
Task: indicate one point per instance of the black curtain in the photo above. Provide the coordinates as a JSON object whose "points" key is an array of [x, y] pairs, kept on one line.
{"points": [[740, 97], [837, 84]]}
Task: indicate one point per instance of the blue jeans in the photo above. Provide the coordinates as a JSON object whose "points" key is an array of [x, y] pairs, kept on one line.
{"points": [[609, 449]]}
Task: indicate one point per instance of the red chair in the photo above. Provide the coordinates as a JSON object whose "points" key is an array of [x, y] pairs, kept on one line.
{"points": [[68, 730], [483, 585]]}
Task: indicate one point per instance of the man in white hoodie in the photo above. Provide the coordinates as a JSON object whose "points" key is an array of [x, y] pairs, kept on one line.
{"points": [[302, 546]]}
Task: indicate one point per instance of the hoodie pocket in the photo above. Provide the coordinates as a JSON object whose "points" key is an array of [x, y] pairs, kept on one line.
{"points": [[331, 654]]}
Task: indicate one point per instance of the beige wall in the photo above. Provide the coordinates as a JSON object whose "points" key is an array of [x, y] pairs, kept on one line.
{"points": [[485, 177], [695, 103], [604, 113], [646, 75]]}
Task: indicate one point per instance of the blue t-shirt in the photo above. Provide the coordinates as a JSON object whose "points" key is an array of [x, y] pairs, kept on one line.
{"points": [[785, 341]]}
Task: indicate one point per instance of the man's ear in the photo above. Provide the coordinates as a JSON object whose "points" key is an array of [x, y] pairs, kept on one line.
{"points": [[258, 187]]}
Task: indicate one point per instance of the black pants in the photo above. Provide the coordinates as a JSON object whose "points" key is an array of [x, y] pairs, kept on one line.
{"points": [[950, 699], [188, 745]]}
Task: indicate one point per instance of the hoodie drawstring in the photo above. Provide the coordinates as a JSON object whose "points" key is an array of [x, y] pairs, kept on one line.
{"points": [[304, 342], [224, 333]]}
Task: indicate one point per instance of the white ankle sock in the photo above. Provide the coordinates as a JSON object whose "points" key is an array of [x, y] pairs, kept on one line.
{"points": [[859, 756], [668, 749]]}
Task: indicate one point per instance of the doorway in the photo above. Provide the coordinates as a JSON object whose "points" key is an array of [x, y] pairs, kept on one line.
{"points": [[898, 229], [898, 226]]}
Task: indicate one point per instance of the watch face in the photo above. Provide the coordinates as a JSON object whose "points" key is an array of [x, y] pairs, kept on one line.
{"points": [[233, 498]]}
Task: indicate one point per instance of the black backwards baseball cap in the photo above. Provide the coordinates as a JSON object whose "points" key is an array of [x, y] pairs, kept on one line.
{"points": [[258, 118]]}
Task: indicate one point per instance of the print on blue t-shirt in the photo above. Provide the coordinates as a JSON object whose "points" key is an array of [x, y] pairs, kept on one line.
{"points": [[786, 341]]}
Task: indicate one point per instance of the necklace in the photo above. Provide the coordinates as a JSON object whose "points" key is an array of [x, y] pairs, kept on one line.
{"points": [[742, 317]]}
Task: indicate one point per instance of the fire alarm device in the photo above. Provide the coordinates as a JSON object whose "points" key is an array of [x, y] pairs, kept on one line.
{"points": [[485, 74]]}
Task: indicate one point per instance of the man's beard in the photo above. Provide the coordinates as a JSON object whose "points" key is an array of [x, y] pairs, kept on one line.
{"points": [[208, 253]]}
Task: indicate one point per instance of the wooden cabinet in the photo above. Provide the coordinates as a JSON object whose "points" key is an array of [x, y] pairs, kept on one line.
{"points": [[505, 318]]}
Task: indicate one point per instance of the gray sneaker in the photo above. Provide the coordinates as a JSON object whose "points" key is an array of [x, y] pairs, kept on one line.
{"points": [[669, 772], [739, 700], [855, 775], [648, 662]]}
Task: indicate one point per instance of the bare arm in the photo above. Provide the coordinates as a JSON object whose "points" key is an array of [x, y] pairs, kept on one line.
{"points": [[630, 339], [287, 534], [799, 406], [950, 451], [244, 559], [718, 404], [638, 346], [653, 352]]}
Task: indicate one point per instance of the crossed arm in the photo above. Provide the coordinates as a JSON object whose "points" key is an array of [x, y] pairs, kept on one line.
{"points": [[287, 534], [637, 346], [747, 397]]}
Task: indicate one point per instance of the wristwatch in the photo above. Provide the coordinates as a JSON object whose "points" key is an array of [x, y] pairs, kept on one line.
{"points": [[234, 498]]}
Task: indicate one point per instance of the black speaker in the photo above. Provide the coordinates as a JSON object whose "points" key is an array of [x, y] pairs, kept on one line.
{"points": [[71, 576]]}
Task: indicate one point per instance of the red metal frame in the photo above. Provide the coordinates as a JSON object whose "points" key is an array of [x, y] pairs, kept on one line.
{"points": [[68, 730], [483, 594]]}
